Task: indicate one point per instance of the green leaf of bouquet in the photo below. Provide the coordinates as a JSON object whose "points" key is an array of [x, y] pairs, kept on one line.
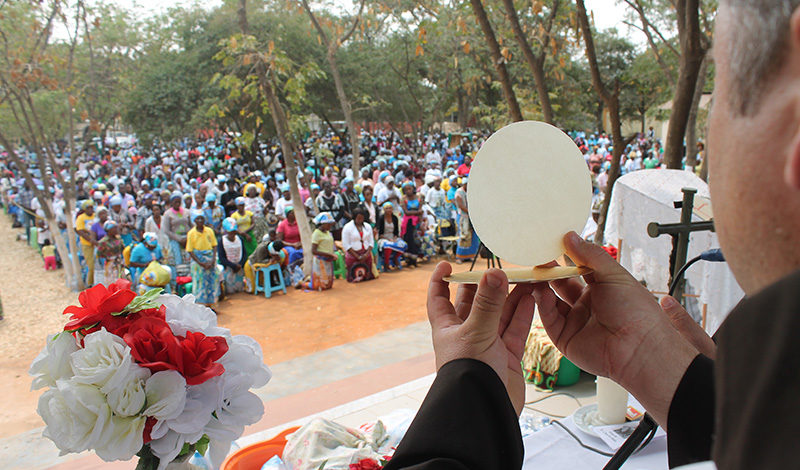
{"points": [[142, 302], [202, 445], [147, 461]]}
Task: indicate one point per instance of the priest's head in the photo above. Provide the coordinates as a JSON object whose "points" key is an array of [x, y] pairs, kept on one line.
{"points": [[754, 138]]}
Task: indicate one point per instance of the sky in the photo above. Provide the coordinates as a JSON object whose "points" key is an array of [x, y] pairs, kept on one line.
{"points": [[607, 13]]}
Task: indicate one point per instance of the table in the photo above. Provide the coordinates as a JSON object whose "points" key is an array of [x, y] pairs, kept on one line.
{"points": [[553, 448]]}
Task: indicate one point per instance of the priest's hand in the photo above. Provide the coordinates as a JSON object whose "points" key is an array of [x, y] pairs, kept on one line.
{"points": [[612, 326], [486, 323]]}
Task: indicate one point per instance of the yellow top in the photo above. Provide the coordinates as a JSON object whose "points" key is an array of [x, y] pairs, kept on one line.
{"points": [[323, 240], [81, 223], [48, 250], [200, 241], [243, 221]]}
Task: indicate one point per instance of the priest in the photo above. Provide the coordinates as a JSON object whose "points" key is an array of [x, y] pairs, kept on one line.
{"points": [[733, 402]]}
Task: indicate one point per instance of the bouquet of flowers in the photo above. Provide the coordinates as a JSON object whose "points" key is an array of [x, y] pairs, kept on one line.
{"points": [[149, 375]]}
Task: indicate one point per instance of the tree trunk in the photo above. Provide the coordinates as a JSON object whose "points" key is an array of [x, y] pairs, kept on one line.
{"points": [[498, 60], [288, 149], [691, 127], [601, 126], [536, 63], [691, 59], [347, 110]]}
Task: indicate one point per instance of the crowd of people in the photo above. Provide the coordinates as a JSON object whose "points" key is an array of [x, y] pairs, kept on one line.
{"points": [[208, 216]]}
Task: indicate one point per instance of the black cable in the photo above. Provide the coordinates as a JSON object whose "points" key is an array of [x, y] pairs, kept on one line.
{"points": [[646, 427], [580, 442], [677, 279]]}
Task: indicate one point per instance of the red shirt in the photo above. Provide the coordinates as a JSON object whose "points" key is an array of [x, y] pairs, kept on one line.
{"points": [[464, 169], [291, 232]]}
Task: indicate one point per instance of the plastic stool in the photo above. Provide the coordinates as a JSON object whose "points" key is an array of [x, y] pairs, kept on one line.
{"points": [[339, 266], [265, 285]]}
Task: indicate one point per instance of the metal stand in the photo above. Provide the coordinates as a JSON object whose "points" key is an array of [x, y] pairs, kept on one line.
{"points": [[680, 235], [489, 261]]}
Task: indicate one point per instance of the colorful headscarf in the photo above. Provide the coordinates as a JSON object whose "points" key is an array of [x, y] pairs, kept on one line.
{"points": [[229, 224], [195, 214], [324, 218], [150, 239], [239, 201], [109, 225]]}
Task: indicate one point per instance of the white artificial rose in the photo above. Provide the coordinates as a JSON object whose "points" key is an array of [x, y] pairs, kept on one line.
{"points": [[53, 362], [168, 447], [201, 401], [128, 399], [105, 361], [183, 314], [244, 356], [76, 415], [166, 395], [122, 438]]}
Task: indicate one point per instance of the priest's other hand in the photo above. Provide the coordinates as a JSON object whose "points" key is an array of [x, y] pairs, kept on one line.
{"points": [[485, 323], [686, 326], [612, 326]]}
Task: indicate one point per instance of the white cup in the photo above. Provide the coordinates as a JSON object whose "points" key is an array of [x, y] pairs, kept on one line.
{"points": [[612, 401]]}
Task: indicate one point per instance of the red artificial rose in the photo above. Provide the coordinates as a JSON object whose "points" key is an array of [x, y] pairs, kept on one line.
{"points": [[366, 464], [153, 345], [97, 305], [200, 353], [148, 428], [120, 325]]}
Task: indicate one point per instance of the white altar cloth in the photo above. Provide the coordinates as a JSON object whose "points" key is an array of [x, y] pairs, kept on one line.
{"points": [[552, 448]]}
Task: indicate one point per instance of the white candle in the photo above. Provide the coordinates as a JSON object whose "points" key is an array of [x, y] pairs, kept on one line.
{"points": [[612, 401]]}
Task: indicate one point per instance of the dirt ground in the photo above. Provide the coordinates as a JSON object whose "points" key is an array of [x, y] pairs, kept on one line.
{"points": [[286, 326]]}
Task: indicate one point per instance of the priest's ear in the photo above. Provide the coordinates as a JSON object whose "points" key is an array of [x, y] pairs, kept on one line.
{"points": [[791, 172]]}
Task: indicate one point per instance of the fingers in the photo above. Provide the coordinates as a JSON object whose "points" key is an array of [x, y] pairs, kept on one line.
{"points": [[590, 255], [516, 333], [688, 328], [464, 297], [552, 310], [487, 307], [520, 292], [441, 313]]}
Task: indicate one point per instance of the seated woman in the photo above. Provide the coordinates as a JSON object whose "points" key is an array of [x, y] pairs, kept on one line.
{"points": [[201, 245], [389, 241], [232, 257], [322, 248], [142, 254], [289, 233], [109, 252], [357, 240]]}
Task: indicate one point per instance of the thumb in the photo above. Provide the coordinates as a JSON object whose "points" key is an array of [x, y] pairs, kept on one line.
{"points": [[688, 328], [590, 255], [487, 306]]}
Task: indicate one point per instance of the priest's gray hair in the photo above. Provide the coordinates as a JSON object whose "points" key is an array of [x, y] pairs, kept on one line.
{"points": [[759, 44]]}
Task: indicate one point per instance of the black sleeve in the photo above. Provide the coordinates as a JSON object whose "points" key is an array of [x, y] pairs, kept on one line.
{"points": [[380, 224], [466, 422], [396, 222], [690, 422]]}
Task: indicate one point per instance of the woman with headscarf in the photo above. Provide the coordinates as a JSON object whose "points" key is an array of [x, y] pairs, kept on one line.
{"points": [[255, 203], [109, 255], [333, 204], [123, 219], [213, 213], [350, 197], [232, 256], [357, 241], [323, 249], [468, 242], [389, 241], [175, 226], [201, 244], [412, 210], [142, 254], [244, 225]]}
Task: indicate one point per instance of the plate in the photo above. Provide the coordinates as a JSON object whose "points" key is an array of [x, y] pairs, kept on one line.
{"points": [[529, 186], [587, 416], [523, 275]]}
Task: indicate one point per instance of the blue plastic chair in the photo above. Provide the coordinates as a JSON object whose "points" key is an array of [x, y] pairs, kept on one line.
{"points": [[264, 284]]}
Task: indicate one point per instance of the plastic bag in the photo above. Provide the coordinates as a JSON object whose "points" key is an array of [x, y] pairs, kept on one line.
{"points": [[155, 275], [326, 442]]}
